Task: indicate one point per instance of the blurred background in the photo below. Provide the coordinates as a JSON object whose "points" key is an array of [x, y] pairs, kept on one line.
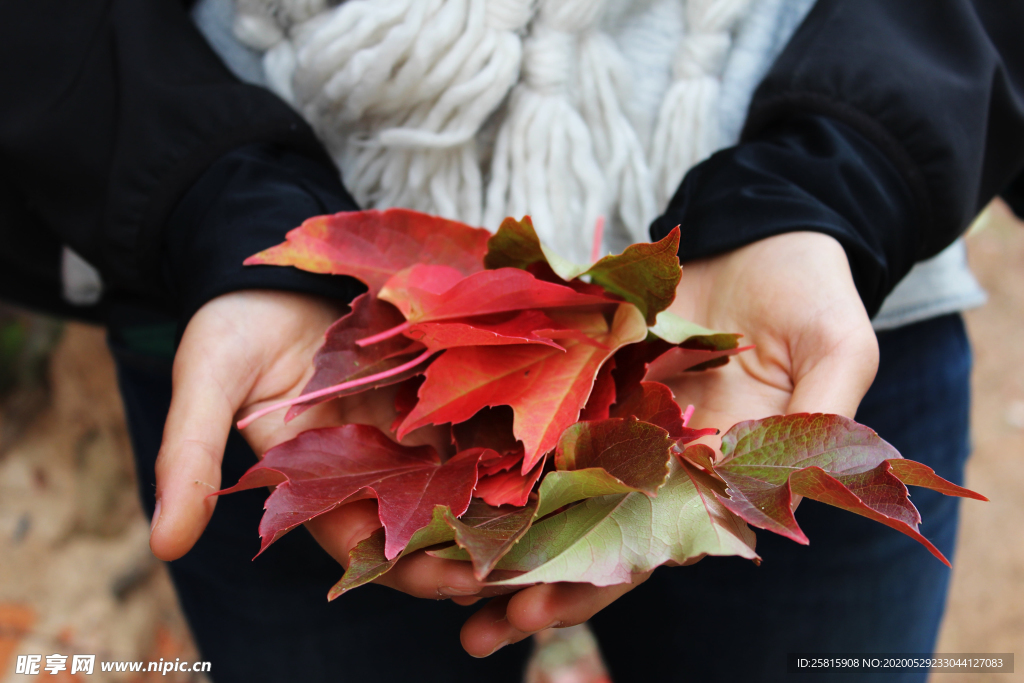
{"points": [[76, 575]]}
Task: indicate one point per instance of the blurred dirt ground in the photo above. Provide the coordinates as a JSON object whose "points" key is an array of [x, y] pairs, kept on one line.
{"points": [[76, 575]]}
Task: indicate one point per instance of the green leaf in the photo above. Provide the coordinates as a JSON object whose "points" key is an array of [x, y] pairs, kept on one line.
{"points": [[558, 490], [516, 245], [645, 274], [676, 330], [616, 456], [608, 539]]}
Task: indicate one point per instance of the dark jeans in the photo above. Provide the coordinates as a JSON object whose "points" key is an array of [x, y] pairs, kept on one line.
{"points": [[859, 586]]}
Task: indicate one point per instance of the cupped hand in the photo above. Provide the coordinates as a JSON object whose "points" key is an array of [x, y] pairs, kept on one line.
{"points": [[793, 297], [243, 351]]}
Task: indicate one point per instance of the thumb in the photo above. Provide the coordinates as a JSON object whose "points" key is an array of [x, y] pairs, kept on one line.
{"points": [[836, 378], [188, 467]]}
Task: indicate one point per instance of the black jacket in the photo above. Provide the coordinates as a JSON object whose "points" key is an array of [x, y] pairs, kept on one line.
{"points": [[885, 123]]}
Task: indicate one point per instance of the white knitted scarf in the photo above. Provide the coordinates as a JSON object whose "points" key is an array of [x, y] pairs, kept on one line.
{"points": [[567, 110]]}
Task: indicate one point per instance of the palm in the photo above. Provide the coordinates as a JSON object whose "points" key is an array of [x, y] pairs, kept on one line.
{"points": [[793, 297], [243, 351]]}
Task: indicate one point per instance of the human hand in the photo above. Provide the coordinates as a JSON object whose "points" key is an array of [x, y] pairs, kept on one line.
{"points": [[240, 352], [793, 297]]}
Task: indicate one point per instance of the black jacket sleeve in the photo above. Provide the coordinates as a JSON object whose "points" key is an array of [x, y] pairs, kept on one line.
{"points": [[113, 112], [887, 124], [244, 203]]}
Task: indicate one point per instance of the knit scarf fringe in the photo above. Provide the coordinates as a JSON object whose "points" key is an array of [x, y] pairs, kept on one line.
{"points": [[480, 109]]}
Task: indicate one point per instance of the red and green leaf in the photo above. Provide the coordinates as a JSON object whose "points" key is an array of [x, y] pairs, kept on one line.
{"points": [[828, 458], [636, 453], [613, 457], [646, 275], [608, 539], [516, 245], [374, 245], [322, 468], [675, 330], [679, 359], [487, 533]]}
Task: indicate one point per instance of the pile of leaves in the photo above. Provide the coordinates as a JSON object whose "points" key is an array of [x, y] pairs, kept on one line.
{"points": [[568, 461]]}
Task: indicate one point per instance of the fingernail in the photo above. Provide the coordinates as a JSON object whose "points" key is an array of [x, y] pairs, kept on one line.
{"points": [[457, 592], [156, 516], [500, 645]]}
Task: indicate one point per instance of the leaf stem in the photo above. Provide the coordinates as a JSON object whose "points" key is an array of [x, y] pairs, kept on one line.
{"points": [[381, 336], [245, 422], [687, 414], [595, 251]]}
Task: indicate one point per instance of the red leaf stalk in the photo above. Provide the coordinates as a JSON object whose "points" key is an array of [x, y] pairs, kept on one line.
{"points": [[595, 251], [381, 336], [245, 422], [687, 414]]}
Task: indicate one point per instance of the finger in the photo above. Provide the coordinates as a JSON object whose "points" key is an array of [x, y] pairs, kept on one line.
{"points": [[535, 609], [418, 574], [341, 529], [423, 576], [188, 465], [488, 630], [835, 377], [557, 605], [834, 354]]}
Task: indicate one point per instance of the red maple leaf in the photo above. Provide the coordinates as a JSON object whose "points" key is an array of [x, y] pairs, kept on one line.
{"points": [[489, 428], [374, 245], [653, 402], [426, 293], [510, 487], [546, 388], [513, 327], [343, 367], [322, 468], [603, 395]]}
